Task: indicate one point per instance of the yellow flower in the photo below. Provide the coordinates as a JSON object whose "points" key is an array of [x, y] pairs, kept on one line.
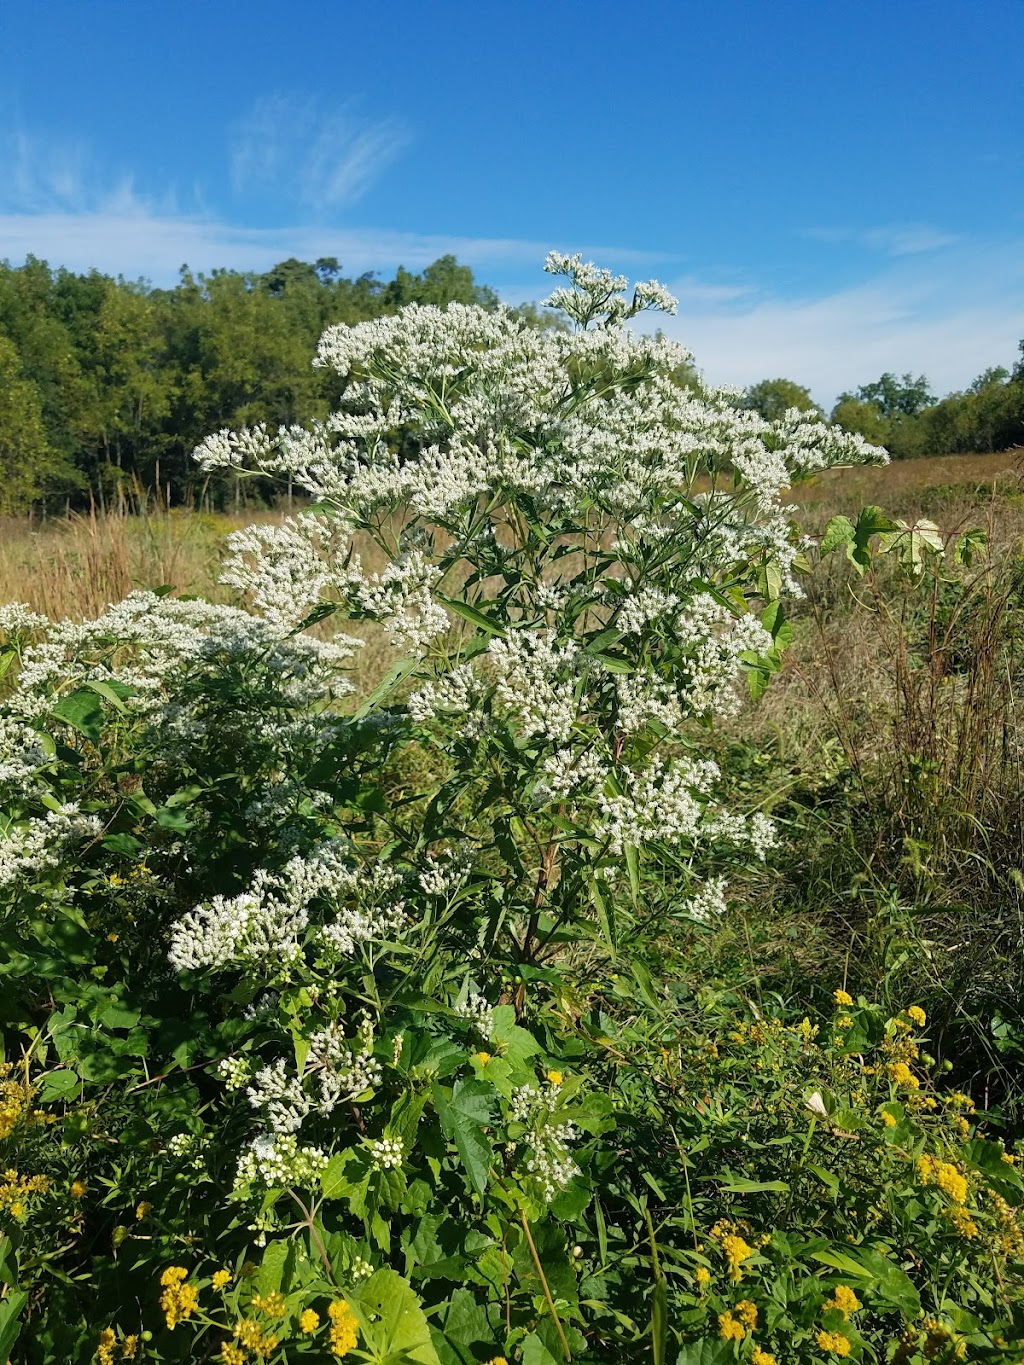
{"points": [[963, 1222], [129, 1346], [917, 1014], [272, 1304], [555, 1077], [221, 1278], [736, 1252], [842, 998], [344, 1328], [309, 1321], [888, 1119], [834, 1342], [498, 1360], [729, 1329], [179, 1300], [747, 1313], [762, 1357], [844, 1021], [105, 1347], [482, 1057], [845, 1300], [231, 1354], [902, 1075], [932, 1171], [142, 1209], [703, 1276], [78, 1189]]}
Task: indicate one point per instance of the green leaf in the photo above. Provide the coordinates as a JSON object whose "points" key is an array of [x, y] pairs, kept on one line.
{"points": [[463, 1112], [513, 1042], [893, 1284], [81, 710], [58, 1085], [740, 1185], [107, 692], [632, 858], [394, 1327], [396, 674], [334, 1183], [707, 1351], [536, 1353], [472, 614], [271, 1275], [10, 1312], [839, 531], [116, 1016]]}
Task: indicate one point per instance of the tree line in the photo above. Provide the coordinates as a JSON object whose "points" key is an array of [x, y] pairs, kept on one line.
{"points": [[107, 384], [902, 414]]}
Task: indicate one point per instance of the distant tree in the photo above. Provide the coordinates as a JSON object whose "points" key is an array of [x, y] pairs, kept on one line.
{"points": [[773, 397], [29, 465], [995, 374], [853, 414], [895, 397]]}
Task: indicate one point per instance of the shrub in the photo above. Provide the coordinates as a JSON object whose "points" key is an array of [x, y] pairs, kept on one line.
{"points": [[338, 1062]]}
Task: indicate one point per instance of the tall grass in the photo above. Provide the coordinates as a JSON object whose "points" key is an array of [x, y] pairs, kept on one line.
{"points": [[893, 744]]}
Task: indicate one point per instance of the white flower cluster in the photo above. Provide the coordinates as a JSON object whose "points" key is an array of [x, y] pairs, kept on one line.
{"points": [[187, 1149], [235, 1072], [21, 753], [28, 846], [567, 772], [476, 1009], [446, 870], [281, 1096], [707, 902], [343, 1071], [549, 1161], [534, 682], [386, 1154], [276, 1160], [271, 918], [661, 801], [458, 696], [400, 597]]}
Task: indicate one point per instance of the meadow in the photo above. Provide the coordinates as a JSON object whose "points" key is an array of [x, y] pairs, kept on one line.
{"points": [[614, 958]]}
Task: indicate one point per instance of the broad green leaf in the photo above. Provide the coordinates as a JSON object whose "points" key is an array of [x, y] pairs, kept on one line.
{"points": [[59, 1085], [463, 1112], [81, 710], [394, 1327], [839, 531], [706, 1351]]}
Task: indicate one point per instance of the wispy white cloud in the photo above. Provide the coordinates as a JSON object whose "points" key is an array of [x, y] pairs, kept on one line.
{"points": [[894, 239], [124, 235], [326, 157], [949, 313], [947, 317]]}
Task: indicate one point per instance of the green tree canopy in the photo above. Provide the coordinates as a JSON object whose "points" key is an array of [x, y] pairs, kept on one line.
{"points": [[773, 397]]}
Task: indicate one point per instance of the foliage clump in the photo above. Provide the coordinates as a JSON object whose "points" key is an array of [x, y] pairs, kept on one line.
{"points": [[315, 1061]]}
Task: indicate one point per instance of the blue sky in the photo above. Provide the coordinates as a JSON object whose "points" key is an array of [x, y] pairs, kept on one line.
{"points": [[833, 187]]}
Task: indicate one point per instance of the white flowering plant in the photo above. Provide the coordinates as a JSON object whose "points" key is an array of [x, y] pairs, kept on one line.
{"points": [[312, 969]]}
